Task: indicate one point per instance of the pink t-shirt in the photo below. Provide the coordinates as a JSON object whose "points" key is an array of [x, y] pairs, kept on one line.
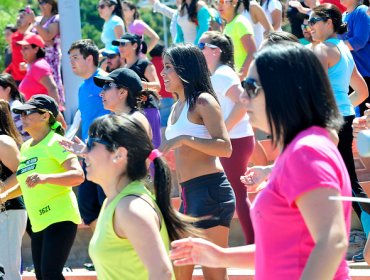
{"points": [[137, 27], [283, 242], [31, 85]]}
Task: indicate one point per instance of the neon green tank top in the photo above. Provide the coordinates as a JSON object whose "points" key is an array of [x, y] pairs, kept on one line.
{"points": [[46, 204], [115, 258]]}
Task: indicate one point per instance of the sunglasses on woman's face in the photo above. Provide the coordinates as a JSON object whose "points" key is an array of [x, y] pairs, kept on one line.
{"points": [[305, 27], [221, 2], [108, 86], [251, 87], [29, 112], [42, 3], [91, 141], [101, 6], [314, 20], [201, 46]]}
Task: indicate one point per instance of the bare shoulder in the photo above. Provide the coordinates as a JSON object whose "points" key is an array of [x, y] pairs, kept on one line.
{"points": [[140, 117], [7, 142], [206, 99], [253, 5], [131, 208]]}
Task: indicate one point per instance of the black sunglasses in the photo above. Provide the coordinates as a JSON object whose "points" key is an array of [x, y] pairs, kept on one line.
{"points": [[122, 44], [108, 86], [101, 6], [305, 27], [90, 143], [30, 111], [42, 2], [251, 87], [314, 20]]}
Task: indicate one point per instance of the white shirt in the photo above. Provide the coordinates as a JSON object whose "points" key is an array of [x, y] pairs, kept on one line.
{"points": [[222, 80]]}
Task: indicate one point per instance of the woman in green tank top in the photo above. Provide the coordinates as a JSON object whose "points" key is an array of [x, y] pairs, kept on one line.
{"points": [[134, 228]]}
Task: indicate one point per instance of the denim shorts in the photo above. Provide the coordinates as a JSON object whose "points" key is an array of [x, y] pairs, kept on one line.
{"points": [[209, 198]]}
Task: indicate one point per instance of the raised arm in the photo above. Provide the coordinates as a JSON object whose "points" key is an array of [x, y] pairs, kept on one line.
{"points": [[152, 77], [152, 35]]}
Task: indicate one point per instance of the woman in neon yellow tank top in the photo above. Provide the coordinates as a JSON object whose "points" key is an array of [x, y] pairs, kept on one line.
{"points": [[131, 239]]}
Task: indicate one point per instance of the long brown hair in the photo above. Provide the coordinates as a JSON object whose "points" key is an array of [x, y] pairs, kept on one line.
{"points": [[7, 126]]}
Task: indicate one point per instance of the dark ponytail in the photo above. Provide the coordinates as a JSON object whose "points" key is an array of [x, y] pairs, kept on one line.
{"points": [[246, 4], [52, 122], [330, 11]]}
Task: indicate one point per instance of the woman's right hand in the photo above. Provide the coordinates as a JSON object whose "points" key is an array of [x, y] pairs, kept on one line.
{"points": [[358, 125], [191, 251], [77, 146], [254, 176]]}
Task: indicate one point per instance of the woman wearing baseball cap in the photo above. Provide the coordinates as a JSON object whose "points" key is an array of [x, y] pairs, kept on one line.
{"points": [[130, 47], [46, 175], [121, 90], [39, 78]]}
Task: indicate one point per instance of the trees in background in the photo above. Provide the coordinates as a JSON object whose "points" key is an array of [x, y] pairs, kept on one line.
{"points": [[91, 23]]}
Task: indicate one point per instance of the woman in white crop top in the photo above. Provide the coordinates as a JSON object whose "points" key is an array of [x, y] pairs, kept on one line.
{"points": [[218, 50], [197, 133]]}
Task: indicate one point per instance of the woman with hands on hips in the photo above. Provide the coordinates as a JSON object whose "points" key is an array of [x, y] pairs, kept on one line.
{"points": [[197, 133], [46, 173], [307, 227]]}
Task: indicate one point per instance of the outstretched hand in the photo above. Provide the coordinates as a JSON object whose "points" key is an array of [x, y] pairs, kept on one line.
{"points": [[254, 177], [191, 251], [77, 146]]}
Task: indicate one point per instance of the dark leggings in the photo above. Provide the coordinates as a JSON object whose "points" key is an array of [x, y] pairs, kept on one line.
{"points": [[345, 149], [50, 249], [235, 166]]}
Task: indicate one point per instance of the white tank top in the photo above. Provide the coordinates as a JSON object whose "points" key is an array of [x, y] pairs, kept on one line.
{"points": [[184, 127], [257, 29], [189, 29]]}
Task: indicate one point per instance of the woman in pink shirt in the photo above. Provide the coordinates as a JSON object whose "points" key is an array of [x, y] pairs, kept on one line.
{"points": [[39, 78], [136, 26], [296, 226]]}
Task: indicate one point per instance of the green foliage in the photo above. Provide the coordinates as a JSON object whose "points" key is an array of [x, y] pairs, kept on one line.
{"points": [[91, 23]]}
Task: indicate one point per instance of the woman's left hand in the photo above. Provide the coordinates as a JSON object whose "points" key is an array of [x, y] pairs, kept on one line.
{"points": [[172, 144], [35, 179]]}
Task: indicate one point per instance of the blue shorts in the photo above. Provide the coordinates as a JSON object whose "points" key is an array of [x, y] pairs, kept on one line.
{"points": [[210, 198], [90, 199], [165, 110]]}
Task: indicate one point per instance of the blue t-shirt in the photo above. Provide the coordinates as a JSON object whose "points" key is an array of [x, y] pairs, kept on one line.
{"points": [[340, 77], [358, 35], [90, 103], [107, 35]]}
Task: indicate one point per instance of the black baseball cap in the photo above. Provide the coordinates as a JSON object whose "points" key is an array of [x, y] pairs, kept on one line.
{"points": [[122, 77], [39, 101], [127, 38]]}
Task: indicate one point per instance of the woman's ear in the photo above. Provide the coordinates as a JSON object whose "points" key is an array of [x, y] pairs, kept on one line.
{"points": [[120, 155]]}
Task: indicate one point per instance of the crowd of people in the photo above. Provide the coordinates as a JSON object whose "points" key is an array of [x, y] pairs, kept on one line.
{"points": [[230, 72]]}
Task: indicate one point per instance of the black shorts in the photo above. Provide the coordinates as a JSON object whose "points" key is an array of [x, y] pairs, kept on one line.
{"points": [[210, 198]]}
